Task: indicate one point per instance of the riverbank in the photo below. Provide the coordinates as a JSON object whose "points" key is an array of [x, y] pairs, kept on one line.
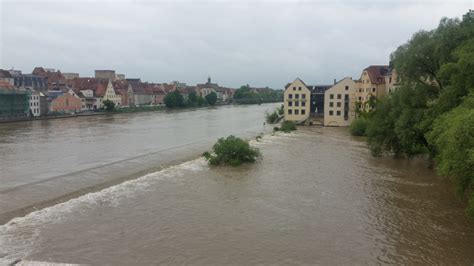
{"points": [[316, 197]]}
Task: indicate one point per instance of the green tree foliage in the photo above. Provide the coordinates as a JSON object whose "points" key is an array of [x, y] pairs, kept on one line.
{"points": [[246, 95], [211, 98], [453, 138], [200, 101], [233, 151], [286, 126], [359, 127], [192, 99], [431, 112], [108, 105], [174, 99]]}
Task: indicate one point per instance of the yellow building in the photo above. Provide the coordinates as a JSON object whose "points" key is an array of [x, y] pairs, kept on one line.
{"points": [[297, 101], [339, 103], [376, 81]]}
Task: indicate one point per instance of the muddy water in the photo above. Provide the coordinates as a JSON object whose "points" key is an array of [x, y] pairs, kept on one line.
{"points": [[317, 197], [49, 161]]}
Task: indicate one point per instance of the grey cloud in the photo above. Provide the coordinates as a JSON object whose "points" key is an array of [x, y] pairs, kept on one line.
{"points": [[236, 42]]}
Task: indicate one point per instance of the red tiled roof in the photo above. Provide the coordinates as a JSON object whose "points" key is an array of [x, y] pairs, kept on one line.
{"points": [[53, 78], [376, 73], [99, 86]]}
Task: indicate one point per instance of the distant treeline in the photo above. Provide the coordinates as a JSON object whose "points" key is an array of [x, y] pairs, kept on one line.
{"points": [[432, 112], [247, 95]]}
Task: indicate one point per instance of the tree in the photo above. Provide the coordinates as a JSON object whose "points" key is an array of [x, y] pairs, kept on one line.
{"points": [[108, 105], [192, 98], [211, 98], [432, 111], [201, 101], [174, 99], [453, 138], [233, 151]]}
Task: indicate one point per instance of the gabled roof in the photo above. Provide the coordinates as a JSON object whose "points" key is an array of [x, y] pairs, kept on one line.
{"points": [[297, 79], [377, 73], [5, 74], [99, 86]]}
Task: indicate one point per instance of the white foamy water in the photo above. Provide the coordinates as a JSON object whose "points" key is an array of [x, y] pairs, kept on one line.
{"points": [[18, 235]]}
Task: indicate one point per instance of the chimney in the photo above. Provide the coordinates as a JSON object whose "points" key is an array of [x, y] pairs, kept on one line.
{"points": [[334, 81]]}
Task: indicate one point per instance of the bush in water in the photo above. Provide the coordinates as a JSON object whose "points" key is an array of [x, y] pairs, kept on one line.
{"points": [[233, 151]]}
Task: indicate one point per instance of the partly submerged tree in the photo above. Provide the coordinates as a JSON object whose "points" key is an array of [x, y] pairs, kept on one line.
{"points": [[233, 151]]}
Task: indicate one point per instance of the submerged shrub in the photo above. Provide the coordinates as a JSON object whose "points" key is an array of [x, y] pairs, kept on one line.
{"points": [[271, 118], [358, 127], [233, 151], [287, 126]]}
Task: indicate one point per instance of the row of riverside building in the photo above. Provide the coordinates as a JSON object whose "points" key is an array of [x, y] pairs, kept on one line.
{"points": [[336, 104], [49, 92]]}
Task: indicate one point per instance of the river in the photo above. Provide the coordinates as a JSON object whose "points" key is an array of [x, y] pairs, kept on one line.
{"points": [[316, 197]]}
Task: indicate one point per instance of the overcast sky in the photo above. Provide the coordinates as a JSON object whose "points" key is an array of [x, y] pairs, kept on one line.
{"points": [[261, 43]]}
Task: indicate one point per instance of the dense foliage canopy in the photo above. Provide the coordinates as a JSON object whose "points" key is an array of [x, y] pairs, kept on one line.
{"points": [[211, 98], [174, 99], [233, 151], [108, 105], [246, 95], [432, 111]]}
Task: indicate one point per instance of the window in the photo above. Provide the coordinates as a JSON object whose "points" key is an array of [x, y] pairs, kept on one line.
{"points": [[347, 88], [339, 96], [331, 112], [346, 115], [303, 112], [331, 104], [331, 96], [390, 80], [360, 98], [303, 96], [290, 96], [299, 88], [290, 111], [297, 96], [338, 113], [303, 103], [290, 103], [296, 112], [297, 103], [373, 89], [294, 88], [338, 104]]}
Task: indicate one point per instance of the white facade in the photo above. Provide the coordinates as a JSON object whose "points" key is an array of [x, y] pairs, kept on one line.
{"points": [[112, 96], [89, 102], [34, 106]]}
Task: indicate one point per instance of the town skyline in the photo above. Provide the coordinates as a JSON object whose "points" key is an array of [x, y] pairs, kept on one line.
{"points": [[262, 44]]}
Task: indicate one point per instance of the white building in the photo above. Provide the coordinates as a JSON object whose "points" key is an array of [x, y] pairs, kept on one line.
{"points": [[34, 106]]}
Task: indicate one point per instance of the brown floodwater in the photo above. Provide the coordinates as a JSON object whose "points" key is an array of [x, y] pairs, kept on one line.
{"points": [[316, 197]]}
